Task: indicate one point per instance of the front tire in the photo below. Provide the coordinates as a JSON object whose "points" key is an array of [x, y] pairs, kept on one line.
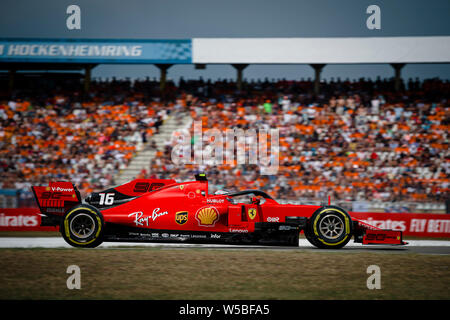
{"points": [[82, 226], [329, 227]]}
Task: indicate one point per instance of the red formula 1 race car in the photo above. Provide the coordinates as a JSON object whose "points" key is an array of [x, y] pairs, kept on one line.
{"points": [[157, 210]]}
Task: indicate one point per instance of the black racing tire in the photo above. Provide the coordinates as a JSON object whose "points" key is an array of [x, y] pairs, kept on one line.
{"points": [[310, 238], [293, 238], [330, 227], [82, 226]]}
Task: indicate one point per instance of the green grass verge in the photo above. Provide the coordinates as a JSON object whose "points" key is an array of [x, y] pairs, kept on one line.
{"points": [[163, 273]]}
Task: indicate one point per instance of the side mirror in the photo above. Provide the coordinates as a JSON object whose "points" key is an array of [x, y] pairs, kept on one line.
{"points": [[255, 200]]}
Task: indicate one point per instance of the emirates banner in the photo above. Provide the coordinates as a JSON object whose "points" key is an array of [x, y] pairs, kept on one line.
{"points": [[23, 219], [411, 224]]}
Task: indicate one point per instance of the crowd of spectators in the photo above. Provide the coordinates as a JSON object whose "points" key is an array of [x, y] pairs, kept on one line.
{"points": [[357, 140], [62, 138]]}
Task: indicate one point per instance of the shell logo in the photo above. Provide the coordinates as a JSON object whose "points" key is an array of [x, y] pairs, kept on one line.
{"points": [[207, 216]]}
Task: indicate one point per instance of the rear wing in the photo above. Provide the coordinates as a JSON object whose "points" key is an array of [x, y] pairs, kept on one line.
{"points": [[57, 198]]}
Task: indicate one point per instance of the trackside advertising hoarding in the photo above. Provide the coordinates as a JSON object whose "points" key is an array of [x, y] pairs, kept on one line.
{"points": [[96, 51], [412, 224], [24, 219]]}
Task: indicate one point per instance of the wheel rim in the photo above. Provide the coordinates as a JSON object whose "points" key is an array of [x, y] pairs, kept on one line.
{"points": [[82, 226], [331, 226]]}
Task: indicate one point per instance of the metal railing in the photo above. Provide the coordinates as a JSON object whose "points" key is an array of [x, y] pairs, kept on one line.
{"points": [[15, 198], [377, 206]]}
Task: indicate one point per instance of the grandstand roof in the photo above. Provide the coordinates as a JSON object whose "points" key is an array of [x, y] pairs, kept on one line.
{"points": [[435, 49], [322, 50]]}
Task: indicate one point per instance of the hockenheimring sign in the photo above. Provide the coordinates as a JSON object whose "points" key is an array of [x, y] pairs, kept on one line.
{"points": [[98, 51]]}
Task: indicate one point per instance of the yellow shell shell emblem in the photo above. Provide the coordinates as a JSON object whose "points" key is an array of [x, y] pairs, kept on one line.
{"points": [[207, 216], [252, 213]]}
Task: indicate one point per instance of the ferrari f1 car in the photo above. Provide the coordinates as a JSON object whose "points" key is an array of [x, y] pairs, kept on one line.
{"points": [[158, 210]]}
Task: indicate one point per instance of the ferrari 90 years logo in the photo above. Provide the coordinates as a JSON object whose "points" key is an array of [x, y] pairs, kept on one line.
{"points": [[207, 216], [252, 213], [181, 217]]}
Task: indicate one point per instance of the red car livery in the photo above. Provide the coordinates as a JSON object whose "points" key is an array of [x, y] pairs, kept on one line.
{"points": [[158, 210]]}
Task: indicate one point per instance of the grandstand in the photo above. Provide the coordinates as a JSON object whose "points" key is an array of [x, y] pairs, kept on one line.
{"points": [[372, 145]]}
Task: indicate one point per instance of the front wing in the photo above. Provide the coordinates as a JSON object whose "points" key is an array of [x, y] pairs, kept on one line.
{"points": [[367, 234]]}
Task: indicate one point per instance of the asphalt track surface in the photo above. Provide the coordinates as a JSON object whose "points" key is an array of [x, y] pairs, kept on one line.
{"points": [[414, 246]]}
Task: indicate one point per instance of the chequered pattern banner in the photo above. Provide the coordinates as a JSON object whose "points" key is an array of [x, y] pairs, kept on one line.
{"points": [[174, 51]]}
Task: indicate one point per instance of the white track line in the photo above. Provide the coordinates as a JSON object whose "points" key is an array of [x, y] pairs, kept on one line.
{"points": [[58, 242]]}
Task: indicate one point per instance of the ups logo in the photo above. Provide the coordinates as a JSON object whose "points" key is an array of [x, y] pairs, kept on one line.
{"points": [[181, 217]]}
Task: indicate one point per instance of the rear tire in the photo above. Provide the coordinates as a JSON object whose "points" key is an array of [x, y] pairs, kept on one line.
{"points": [[329, 227], [82, 226]]}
